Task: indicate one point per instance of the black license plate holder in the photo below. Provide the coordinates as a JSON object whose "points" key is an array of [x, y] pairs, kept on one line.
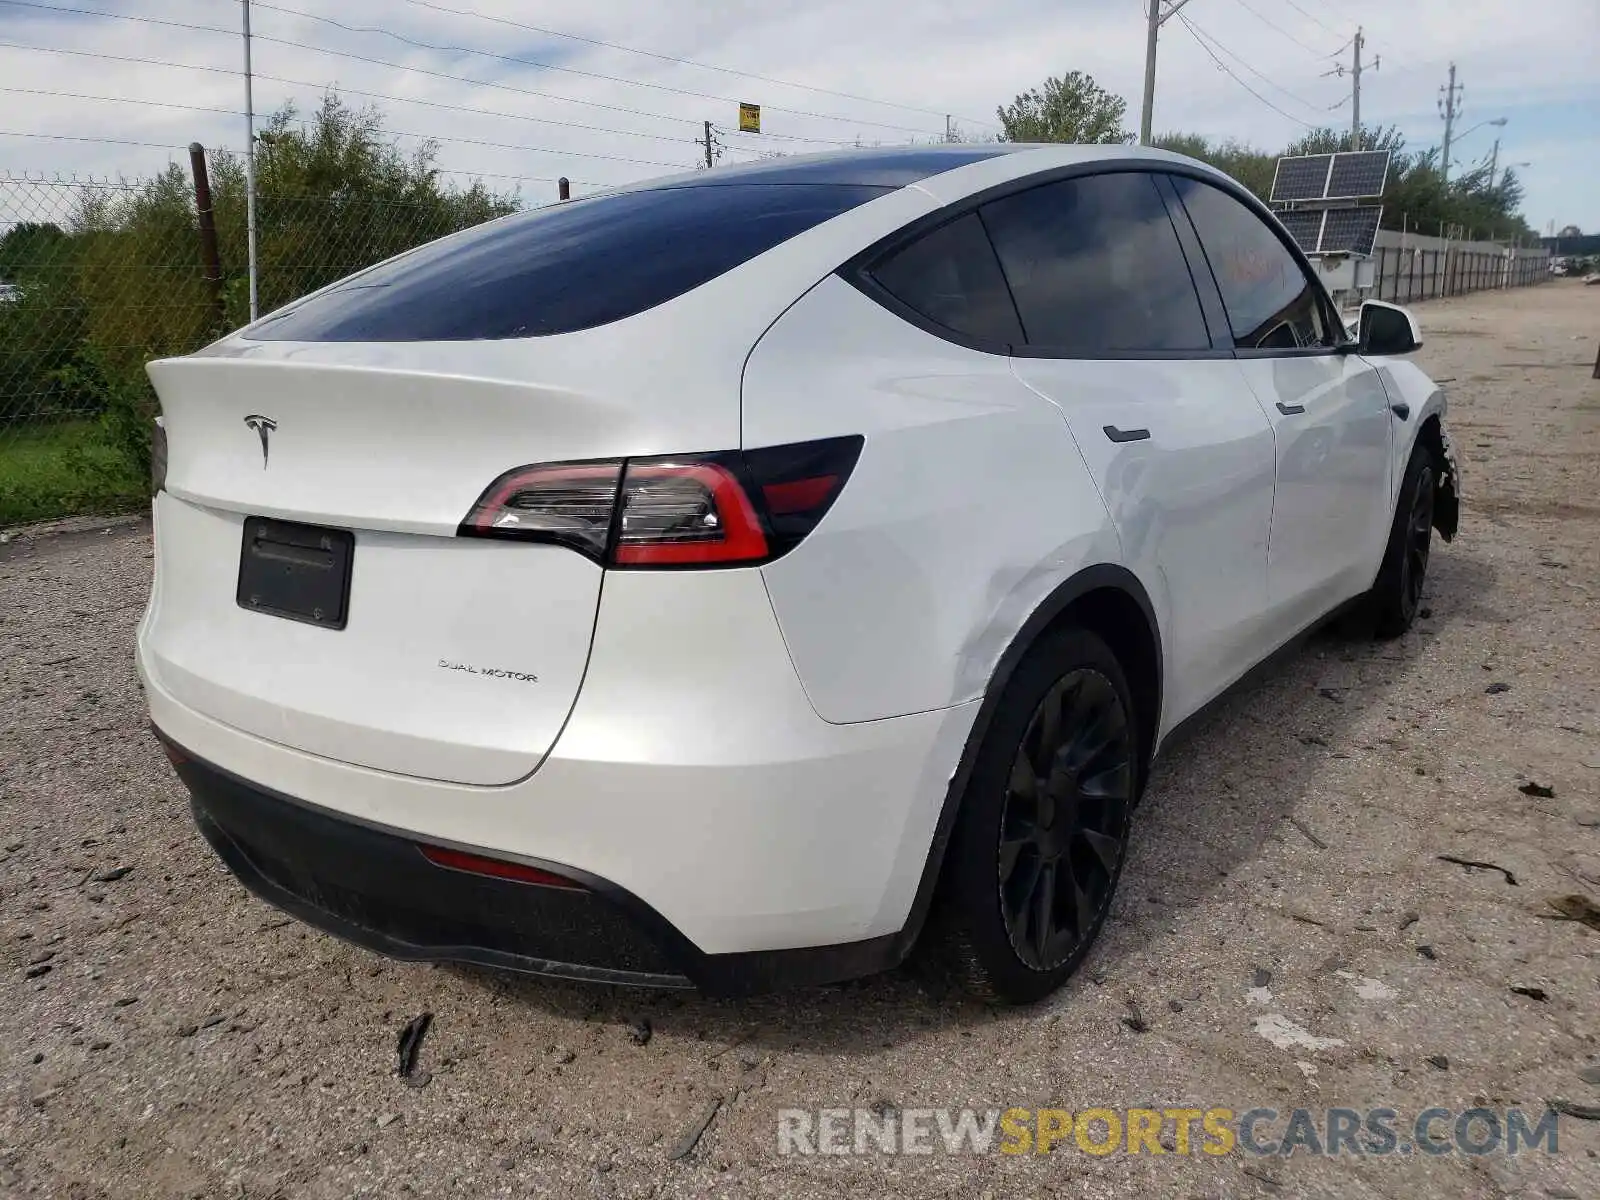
{"points": [[299, 572]]}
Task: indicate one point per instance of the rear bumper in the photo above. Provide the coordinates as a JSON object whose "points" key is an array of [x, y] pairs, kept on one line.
{"points": [[693, 774], [373, 886]]}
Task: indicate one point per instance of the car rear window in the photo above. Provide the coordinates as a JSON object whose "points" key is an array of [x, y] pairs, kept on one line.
{"points": [[567, 267]]}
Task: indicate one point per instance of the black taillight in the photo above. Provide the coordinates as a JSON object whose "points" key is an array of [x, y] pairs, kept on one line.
{"points": [[695, 510]]}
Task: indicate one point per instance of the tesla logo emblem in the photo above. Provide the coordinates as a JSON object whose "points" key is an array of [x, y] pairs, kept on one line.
{"points": [[263, 427]]}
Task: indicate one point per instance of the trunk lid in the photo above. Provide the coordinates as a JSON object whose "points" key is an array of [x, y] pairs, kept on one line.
{"points": [[459, 658]]}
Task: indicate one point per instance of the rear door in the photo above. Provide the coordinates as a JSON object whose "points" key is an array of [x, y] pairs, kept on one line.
{"points": [[1116, 336], [1329, 411]]}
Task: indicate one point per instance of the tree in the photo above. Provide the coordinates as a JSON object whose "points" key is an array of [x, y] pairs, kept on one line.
{"points": [[120, 282], [1335, 141], [1570, 231], [30, 246], [1073, 108], [1249, 166]]}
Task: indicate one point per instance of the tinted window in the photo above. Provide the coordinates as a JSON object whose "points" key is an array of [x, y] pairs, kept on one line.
{"points": [[1272, 304], [951, 277], [1095, 266], [570, 266]]}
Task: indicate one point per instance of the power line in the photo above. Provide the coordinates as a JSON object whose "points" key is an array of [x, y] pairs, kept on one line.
{"points": [[465, 141], [1312, 18], [342, 90], [1264, 79], [431, 137], [378, 62], [689, 62], [22, 91], [1271, 24], [533, 62], [262, 37], [1224, 66], [62, 137]]}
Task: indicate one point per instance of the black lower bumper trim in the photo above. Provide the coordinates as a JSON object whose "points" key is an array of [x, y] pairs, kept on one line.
{"points": [[371, 885]]}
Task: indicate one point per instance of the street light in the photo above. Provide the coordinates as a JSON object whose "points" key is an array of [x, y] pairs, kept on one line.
{"points": [[1450, 141], [1500, 122]]}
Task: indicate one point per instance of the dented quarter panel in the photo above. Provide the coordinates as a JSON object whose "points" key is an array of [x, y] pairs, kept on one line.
{"points": [[1408, 384]]}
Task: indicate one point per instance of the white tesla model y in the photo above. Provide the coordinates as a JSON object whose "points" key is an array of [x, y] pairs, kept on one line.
{"points": [[719, 580]]}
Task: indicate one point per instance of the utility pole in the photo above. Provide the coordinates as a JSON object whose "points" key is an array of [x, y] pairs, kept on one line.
{"points": [[713, 148], [250, 167], [1494, 162], [1449, 109], [1156, 19], [1355, 88], [949, 131]]}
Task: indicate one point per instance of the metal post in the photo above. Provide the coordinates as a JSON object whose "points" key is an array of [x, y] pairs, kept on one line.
{"points": [[250, 168], [1155, 18], [211, 262], [1449, 109], [1355, 94], [564, 188], [1145, 111]]}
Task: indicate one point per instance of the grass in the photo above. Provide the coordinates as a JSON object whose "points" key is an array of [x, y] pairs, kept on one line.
{"points": [[64, 470]]}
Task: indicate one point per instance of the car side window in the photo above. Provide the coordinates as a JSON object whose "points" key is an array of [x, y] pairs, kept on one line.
{"points": [[1096, 267], [1272, 303], [950, 276]]}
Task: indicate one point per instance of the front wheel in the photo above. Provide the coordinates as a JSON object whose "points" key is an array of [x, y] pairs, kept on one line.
{"points": [[1043, 828], [1397, 594]]}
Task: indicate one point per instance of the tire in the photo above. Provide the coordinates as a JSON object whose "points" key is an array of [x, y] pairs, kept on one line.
{"points": [[1043, 825], [1397, 594]]}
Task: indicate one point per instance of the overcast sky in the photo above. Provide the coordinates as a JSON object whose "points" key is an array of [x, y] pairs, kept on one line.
{"points": [[868, 71]]}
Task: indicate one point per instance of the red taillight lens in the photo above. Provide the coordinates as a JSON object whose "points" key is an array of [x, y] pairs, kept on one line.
{"points": [[497, 868], [684, 511], [571, 503]]}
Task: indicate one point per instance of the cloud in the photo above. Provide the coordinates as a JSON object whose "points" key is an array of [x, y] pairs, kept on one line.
{"points": [[513, 103]]}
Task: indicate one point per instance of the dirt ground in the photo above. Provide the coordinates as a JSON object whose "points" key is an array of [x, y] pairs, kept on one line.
{"points": [[164, 1034]]}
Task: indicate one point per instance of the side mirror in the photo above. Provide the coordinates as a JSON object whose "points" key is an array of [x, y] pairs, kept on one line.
{"points": [[1385, 329]]}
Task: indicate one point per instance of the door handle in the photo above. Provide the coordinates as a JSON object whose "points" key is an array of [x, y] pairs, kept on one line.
{"points": [[1291, 410], [1400, 410], [1125, 435]]}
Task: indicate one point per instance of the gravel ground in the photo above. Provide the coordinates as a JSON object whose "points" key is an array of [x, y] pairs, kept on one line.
{"points": [[164, 1034]]}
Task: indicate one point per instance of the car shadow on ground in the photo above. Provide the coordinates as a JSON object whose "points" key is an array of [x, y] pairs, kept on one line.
{"points": [[1225, 784]]}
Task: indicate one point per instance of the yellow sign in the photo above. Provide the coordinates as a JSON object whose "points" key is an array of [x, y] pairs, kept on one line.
{"points": [[749, 118]]}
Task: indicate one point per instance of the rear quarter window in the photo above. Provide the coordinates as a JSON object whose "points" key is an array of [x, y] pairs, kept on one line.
{"points": [[951, 277], [564, 268]]}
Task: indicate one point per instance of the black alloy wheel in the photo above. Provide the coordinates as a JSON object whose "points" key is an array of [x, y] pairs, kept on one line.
{"points": [[1041, 832], [1064, 823], [1396, 595], [1419, 539]]}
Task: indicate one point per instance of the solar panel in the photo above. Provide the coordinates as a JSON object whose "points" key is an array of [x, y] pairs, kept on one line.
{"points": [[1350, 230], [1357, 175], [1304, 177], [1303, 227]]}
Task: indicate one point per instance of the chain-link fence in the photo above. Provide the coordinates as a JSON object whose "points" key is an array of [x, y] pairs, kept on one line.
{"points": [[97, 277]]}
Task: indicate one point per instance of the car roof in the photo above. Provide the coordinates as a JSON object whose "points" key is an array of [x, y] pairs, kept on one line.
{"points": [[958, 168], [888, 166]]}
